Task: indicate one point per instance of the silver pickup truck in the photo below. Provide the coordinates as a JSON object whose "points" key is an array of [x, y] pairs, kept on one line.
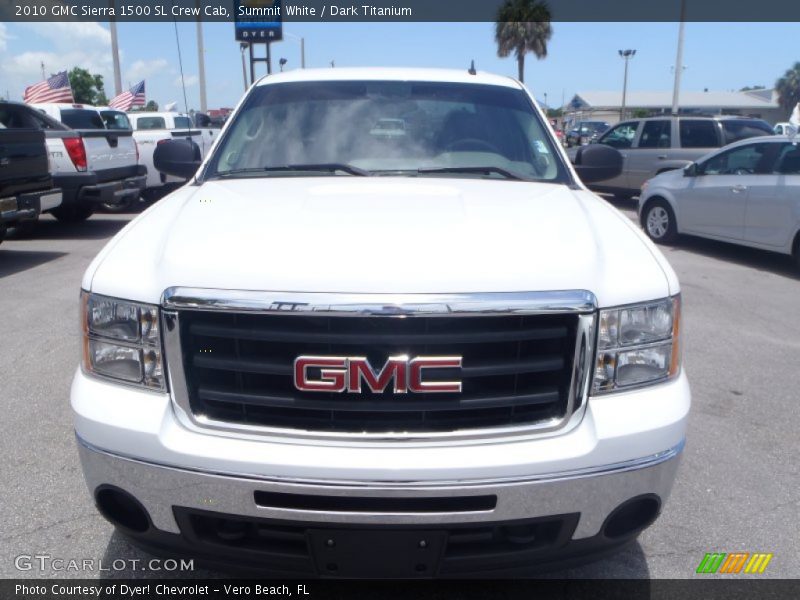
{"points": [[657, 144]]}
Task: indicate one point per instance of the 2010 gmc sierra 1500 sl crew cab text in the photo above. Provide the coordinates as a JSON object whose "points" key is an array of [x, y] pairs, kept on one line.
{"points": [[337, 352]]}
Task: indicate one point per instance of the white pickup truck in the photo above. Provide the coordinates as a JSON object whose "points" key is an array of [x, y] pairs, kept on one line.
{"points": [[340, 353], [92, 164], [152, 128]]}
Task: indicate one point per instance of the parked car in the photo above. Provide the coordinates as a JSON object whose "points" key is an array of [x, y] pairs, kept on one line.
{"points": [[748, 193], [585, 132], [504, 394], [654, 145], [784, 129], [153, 128], [93, 165], [26, 187]]}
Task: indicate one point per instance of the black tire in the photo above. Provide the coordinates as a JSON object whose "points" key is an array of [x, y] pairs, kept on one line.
{"points": [[121, 205], [796, 253], [658, 221], [2, 233], [73, 213], [25, 229]]}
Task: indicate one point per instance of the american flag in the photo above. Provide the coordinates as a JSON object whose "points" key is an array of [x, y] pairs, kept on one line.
{"points": [[55, 89], [129, 99]]}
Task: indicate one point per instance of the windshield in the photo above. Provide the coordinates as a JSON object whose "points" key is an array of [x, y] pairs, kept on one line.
{"points": [[388, 128], [115, 119]]}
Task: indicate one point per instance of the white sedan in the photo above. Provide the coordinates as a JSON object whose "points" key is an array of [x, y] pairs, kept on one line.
{"points": [[746, 193]]}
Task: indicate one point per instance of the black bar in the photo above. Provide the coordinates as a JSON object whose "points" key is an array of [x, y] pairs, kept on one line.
{"points": [[385, 505]]}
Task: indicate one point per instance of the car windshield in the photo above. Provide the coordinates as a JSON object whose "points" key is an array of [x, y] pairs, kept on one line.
{"points": [[387, 128], [115, 119], [594, 127]]}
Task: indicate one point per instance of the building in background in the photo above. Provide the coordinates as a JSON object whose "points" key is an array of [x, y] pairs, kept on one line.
{"points": [[605, 106]]}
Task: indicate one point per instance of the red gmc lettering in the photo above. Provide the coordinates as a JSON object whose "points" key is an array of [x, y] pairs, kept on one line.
{"points": [[339, 374]]}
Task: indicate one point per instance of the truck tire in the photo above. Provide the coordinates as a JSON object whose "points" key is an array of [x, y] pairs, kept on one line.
{"points": [[2, 233], [120, 205], [24, 229], [72, 213], [658, 221]]}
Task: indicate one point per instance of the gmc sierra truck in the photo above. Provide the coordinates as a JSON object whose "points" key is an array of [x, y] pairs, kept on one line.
{"points": [[25, 183], [340, 353]]}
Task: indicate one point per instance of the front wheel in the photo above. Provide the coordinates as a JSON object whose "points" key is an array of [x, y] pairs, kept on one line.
{"points": [[72, 213], [659, 222]]}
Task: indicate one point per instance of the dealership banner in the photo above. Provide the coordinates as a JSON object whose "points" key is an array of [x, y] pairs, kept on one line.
{"points": [[522, 589], [273, 11]]}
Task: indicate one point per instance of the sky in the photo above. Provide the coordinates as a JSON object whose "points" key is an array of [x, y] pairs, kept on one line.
{"points": [[581, 56]]}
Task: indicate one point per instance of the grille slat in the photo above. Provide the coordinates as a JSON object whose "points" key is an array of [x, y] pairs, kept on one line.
{"points": [[267, 400], [290, 336], [516, 369]]}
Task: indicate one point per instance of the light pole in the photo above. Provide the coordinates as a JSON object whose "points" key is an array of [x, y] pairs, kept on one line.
{"points": [[243, 46], [676, 88], [626, 55], [302, 41]]}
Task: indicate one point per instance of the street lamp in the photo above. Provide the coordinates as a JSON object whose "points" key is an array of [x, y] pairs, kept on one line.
{"points": [[282, 62], [626, 55], [244, 46], [302, 41]]}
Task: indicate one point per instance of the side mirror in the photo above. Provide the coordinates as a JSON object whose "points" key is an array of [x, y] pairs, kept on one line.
{"points": [[598, 162], [690, 170], [180, 158]]}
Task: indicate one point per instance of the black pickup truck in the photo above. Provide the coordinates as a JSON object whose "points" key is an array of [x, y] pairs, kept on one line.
{"points": [[25, 180]]}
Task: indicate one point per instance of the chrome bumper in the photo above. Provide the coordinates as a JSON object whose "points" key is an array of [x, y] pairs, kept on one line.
{"points": [[594, 493]]}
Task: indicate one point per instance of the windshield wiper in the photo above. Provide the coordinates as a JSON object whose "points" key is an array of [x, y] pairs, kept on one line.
{"points": [[330, 167], [478, 170]]}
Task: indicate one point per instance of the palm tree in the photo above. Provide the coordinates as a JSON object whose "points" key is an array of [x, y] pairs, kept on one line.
{"points": [[788, 88], [523, 26]]}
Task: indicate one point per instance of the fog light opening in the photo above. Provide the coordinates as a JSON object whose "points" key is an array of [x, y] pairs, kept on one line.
{"points": [[632, 517], [121, 509]]}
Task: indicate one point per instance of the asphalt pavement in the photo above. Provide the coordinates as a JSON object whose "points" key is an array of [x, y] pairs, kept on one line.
{"points": [[737, 488]]}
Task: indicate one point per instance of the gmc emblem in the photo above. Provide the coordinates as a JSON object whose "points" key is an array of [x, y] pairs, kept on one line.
{"points": [[350, 373]]}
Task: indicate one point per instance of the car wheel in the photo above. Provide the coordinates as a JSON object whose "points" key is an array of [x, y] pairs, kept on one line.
{"points": [[24, 229], [659, 222], [119, 205], [796, 253], [2, 233], [72, 213]]}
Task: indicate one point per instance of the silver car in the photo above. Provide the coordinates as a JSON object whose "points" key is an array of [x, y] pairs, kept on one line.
{"points": [[747, 193]]}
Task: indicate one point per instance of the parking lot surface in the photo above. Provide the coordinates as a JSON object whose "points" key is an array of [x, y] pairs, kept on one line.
{"points": [[737, 486]]}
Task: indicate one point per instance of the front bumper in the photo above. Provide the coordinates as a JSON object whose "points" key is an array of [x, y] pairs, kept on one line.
{"points": [[626, 447]]}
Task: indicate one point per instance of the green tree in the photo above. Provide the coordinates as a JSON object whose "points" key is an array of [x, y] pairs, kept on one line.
{"points": [[87, 88], [751, 88], [151, 106], [788, 88], [523, 26]]}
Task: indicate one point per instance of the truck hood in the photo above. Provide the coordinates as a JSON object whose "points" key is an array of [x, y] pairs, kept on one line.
{"points": [[382, 235]]}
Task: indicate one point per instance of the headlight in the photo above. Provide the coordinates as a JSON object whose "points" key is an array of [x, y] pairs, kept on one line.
{"points": [[121, 341], [638, 345]]}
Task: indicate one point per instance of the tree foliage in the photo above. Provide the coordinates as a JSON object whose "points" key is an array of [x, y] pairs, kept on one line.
{"points": [[87, 88], [788, 88], [523, 26]]}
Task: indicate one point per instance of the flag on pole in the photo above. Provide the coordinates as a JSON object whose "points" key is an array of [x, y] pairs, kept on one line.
{"points": [[55, 89], [130, 98]]}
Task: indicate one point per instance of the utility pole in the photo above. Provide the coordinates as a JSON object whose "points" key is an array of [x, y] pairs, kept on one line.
{"points": [[676, 88], [626, 56], [201, 61], [243, 46], [115, 57]]}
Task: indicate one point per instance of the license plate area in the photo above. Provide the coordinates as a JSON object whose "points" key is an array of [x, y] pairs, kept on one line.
{"points": [[376, 553]]}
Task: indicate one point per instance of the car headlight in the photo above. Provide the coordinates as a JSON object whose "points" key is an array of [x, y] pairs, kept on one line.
{"points": [[638, 345], [122, 341]]}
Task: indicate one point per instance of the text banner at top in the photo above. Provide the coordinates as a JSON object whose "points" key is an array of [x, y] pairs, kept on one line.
{"points": [[391, 10]]}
